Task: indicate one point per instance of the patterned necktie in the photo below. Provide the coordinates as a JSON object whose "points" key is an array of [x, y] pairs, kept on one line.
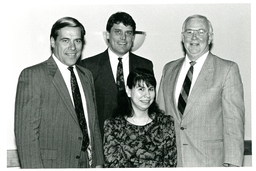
{"points": [[182, 102], [120, 75], [79, 109]]}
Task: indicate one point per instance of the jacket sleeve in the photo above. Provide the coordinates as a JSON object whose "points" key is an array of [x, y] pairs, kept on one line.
{"points": [[97, 135], [233, 117], [160, 96], [27, 119]]}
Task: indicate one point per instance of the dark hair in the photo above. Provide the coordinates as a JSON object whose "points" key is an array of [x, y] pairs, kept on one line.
{"points": [[141, 74], [121, 17], [124, 108], [66, 22]]}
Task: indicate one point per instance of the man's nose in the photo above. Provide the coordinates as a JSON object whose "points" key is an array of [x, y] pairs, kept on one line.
{"points": [[72, 46], [123, 36]]}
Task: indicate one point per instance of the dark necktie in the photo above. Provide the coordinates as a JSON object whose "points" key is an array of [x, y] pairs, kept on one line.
{"points": [[182, 102], [120, 75], [79, 109]]}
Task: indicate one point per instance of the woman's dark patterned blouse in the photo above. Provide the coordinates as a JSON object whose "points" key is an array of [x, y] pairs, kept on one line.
{"points": [[129, 145]]}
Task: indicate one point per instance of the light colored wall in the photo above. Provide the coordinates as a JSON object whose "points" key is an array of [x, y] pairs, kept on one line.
{"points": [[28, 29]]}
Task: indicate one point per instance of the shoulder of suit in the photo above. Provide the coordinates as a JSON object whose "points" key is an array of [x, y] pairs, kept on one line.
{"points": [[84, 70], [132, 55], [36, 72], [174, 62], [92, 60], [35, 67], [222, 61], [97, 56]]}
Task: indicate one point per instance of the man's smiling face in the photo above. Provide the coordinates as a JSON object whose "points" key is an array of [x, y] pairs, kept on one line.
{"points": [[68, 45], [120, 38], [196, 45]]}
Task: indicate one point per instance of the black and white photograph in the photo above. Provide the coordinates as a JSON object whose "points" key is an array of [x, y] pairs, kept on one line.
{"points": [[127, 84]]}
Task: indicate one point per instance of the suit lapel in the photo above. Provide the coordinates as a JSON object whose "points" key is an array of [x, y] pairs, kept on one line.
{"points": [[132, 62], [88, 96], [201, 84], [106, 74], [173, 82], [61, 87]]}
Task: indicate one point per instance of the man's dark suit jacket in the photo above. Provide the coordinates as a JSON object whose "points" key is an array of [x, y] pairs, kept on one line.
{"points": [[47, 131], [105, 84]]}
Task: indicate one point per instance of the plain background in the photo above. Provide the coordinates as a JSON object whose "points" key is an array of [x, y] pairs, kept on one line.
{"points": [[26, 39]]}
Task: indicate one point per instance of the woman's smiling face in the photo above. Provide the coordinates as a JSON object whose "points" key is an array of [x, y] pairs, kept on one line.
{"points": [[142, 96]]}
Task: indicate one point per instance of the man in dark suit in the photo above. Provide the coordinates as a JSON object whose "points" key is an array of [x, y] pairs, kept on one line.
{"points": [[120, 34], [208, 117], [47, 129]]}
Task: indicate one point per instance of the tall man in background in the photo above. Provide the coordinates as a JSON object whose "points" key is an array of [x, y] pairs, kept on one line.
{"points": [[104, 66], [56, 122], [208, 107]]}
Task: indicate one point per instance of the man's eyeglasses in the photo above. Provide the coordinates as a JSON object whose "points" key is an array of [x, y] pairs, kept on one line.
{"points": [[189, 33]]}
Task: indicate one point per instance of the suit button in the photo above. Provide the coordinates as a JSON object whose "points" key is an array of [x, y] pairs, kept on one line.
{"points": [[77, 157], [182, 128], [80, 138]]}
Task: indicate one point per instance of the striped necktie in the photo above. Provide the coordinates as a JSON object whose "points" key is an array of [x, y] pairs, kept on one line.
{"points": [[182, 102]]}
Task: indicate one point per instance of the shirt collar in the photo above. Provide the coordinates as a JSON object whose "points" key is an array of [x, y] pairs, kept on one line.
{"points": [[112, 55], [60, 65], [199, 61]]}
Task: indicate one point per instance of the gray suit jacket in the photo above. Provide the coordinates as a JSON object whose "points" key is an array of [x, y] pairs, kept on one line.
{"points": [[47, 131], [211, 131]]}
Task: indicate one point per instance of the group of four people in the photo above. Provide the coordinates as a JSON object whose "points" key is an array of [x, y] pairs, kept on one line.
{"points": [[127, 128]]}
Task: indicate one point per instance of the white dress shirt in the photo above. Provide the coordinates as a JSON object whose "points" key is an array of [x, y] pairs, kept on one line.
{"points": [[113, 58], [183, 72]]}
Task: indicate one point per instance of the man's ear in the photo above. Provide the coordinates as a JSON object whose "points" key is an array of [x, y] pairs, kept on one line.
{"points": [[210, 38], [182, 38], [52, 42], [107, 35]]}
